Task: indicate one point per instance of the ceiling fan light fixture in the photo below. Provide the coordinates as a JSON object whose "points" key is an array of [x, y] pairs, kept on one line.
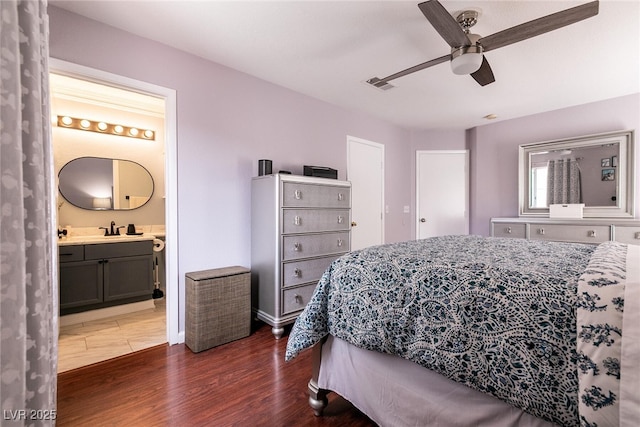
{"points": [[466, 60]]}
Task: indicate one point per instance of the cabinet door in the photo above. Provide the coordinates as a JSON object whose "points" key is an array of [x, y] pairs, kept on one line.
{"points": [[80, 283], [128, 277]]}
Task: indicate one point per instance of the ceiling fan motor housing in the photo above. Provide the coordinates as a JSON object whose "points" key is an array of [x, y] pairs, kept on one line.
{"points": [[467, 59]]}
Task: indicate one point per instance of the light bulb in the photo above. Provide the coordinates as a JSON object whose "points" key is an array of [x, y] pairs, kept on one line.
{"points": [[85, 123], [102, 126], [133, 132], [148, 134], [66, 120], [118, 129]]}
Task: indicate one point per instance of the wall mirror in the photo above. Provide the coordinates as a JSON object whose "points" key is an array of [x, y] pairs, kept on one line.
{"points": [[597, 170], [97, 183]]}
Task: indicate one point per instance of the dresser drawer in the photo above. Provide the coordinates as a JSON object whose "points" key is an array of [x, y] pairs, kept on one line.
{"points": [[311, 270], [314, 245], [629, 234], [313, 220], [570, 233], [295, 299], [510, 230], [313, 195]]}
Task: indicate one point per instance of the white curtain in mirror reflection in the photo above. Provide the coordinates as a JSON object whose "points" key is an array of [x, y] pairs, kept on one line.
{"points": [[563, 182]]}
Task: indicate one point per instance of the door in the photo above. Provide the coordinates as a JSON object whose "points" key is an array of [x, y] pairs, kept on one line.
{"points": [[442, 193], [174, 294], [365, 170]]}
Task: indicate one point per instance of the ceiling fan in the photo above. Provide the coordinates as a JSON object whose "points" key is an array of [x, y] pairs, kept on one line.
{"points": [[467, 50]]}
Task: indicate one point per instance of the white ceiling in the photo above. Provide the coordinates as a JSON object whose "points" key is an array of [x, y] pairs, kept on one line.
{"points": [[328, 49]]}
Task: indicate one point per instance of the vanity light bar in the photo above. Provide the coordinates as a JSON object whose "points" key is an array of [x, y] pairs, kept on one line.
{"points": [[103, 127]]}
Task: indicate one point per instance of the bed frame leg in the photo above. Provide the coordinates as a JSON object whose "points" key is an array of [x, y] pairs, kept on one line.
{"points": [[317, 398]]}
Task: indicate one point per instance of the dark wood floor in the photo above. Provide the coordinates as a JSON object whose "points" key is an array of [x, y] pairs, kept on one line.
{"points": [[243, 383]]}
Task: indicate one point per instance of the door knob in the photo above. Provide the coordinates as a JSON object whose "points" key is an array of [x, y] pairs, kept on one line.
{"points": [[423, 220]]}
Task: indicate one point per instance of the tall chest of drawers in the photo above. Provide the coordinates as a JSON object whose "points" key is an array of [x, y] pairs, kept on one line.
{"points": [[299, 225]]}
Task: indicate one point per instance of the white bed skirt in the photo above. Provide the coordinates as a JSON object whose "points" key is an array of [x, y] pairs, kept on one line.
{"points": [[396, 392]]}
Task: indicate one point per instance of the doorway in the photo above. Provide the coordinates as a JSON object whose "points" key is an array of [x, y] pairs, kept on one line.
{"points": [[365, 170], [442, 193], [113, 83]]}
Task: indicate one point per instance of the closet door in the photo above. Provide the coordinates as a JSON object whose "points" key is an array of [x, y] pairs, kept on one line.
{"points": [[442, 193]]}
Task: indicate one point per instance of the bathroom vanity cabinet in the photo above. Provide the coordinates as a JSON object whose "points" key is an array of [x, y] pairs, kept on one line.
{"points": [[95, 276]]}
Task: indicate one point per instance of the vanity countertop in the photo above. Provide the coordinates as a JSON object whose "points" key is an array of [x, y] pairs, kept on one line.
{"points": [[89, 240]]}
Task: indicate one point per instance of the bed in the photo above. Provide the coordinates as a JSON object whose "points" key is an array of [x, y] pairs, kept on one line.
{"points": [[469, 330]]}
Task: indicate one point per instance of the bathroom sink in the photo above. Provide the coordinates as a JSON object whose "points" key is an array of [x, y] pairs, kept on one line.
{"points": [[83, 240]]}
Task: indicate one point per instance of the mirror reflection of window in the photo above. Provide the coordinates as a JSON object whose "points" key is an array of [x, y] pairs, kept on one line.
{"points": [[539, 186]]}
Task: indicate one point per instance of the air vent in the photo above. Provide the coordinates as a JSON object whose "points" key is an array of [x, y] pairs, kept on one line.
{"points": [[382, 85]]}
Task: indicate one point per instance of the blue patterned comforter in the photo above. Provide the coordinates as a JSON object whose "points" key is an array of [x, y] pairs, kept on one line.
{"points": [[464, 306]]}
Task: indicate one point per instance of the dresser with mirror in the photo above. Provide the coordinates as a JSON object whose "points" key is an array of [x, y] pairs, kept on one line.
{"points": [[593, 177]]}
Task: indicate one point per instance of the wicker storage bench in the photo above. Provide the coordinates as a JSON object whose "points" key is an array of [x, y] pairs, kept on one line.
{"points": [[218, 307]]}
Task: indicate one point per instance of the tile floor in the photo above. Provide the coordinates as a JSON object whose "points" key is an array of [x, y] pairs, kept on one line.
{"points": [[91, 342]]}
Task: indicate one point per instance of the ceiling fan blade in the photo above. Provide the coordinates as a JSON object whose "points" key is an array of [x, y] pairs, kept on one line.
{"points": [[484, 75], [444, 23], [380, 82], [539, 26]]}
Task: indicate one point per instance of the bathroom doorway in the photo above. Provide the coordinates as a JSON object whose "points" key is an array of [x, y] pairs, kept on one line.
{"points": [[82, 92]]}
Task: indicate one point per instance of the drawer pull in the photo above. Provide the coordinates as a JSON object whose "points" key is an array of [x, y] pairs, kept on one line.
{"points": [[591, 233], [541, 231], [297, 194], [339, 243], [297, 272], [297, 247], [297, 220], [297, 298], [508, 230], [340, 197], [340, 219]]}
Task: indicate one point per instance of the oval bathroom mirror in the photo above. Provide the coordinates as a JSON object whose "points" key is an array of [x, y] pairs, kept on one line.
{"points": [[97, 183]]}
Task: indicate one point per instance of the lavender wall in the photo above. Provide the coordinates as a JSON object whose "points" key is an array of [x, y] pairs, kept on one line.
{"points": [[228, 120], [494, 151]]}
